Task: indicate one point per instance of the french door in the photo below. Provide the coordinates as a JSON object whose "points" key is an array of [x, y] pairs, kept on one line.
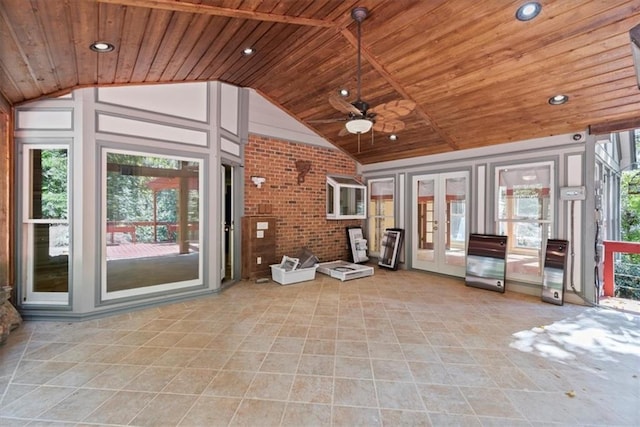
{"points": [[439, 222]]}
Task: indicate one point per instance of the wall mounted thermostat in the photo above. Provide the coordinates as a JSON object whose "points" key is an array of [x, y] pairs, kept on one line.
{"points": [[572, 193]]}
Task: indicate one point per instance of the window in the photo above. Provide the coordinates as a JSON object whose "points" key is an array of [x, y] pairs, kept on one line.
{"points": [[152, 214], [381, 211], [345, 198], [45, 224], [524, 212]]}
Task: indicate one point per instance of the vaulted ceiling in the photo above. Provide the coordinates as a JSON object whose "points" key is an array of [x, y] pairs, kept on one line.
{"points": [[478, 76]]}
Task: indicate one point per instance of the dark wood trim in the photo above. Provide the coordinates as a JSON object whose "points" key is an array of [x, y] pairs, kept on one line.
{"points": [[5, 106], [634, 34], [175, 6], [614, 126]]}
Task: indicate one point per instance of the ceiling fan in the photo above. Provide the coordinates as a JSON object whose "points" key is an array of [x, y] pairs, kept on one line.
{"points": [[360, 118]]}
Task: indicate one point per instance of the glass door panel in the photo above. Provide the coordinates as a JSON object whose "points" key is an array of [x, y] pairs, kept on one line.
{"points": [[425, 220], [226, 250], [455, 220]]}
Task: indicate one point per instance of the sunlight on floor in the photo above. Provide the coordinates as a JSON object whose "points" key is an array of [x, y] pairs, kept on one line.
{"points": [[622, 304], [598, 333]]}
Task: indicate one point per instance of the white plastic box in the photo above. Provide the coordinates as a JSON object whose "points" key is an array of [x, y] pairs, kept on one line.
{"points": [[284, 277], [344, 270]]}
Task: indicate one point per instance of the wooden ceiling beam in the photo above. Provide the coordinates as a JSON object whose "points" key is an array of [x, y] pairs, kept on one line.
{"points": [[176, 6], [422, 113], [614, 126]]}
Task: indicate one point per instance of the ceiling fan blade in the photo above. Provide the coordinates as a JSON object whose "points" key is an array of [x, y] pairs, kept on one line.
{"points": [[394, 109], [343, 132], [341, 119], [388, 126], [341, 105]]}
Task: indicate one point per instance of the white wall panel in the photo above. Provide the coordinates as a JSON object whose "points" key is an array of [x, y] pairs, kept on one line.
{"points": [[229, 108], [574, 217], [150, 130], [44, 119], [230, 147], [269, 120], [187, 100]]}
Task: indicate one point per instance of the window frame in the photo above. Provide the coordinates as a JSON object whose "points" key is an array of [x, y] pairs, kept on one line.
{"points": [[511, 221], [375, 244], [31, 297], [333, 209], [107, 297]]}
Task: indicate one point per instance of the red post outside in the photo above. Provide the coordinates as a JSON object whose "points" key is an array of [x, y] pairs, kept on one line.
{"points": [[610, 247]]}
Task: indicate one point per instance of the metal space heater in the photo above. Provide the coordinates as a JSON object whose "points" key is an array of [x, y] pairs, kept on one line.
{"points": [[553, 276], [486, 262]]}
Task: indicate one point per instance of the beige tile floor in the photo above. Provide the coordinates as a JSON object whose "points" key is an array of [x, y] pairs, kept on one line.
{"points": [[396, 349]]}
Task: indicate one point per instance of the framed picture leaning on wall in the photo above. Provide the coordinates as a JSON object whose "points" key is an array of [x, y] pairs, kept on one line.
{"points": [[390, 247]]}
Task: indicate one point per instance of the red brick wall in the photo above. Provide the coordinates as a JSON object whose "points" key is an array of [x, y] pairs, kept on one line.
{"points": [[300, 209]]}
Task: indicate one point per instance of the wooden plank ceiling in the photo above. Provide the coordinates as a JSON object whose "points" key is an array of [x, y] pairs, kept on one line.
{"points": [[477, 75]]}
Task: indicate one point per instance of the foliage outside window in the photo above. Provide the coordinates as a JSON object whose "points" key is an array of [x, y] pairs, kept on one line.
{"points": [[151, 223], [627, 267], [346, 198]]}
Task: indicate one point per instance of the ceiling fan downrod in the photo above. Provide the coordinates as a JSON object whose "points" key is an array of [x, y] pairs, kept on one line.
{"points": [[359, 14]]}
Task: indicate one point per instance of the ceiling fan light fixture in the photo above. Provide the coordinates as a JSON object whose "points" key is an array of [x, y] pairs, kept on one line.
{"points": [[558, 99], [101, 47], [528, 11], [356, 126]]}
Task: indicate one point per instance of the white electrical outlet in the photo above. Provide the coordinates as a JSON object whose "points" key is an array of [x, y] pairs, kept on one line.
{"points": [[259, 260]]}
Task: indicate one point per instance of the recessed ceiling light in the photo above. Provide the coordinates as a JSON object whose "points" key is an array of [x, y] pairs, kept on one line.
{"points": [[558, 99], [393, 137], [248, 51], [528, 11], [101, 47], [344, 92]]}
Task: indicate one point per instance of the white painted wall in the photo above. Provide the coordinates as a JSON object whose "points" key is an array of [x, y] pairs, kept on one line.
{"points": [[268, 120]]}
